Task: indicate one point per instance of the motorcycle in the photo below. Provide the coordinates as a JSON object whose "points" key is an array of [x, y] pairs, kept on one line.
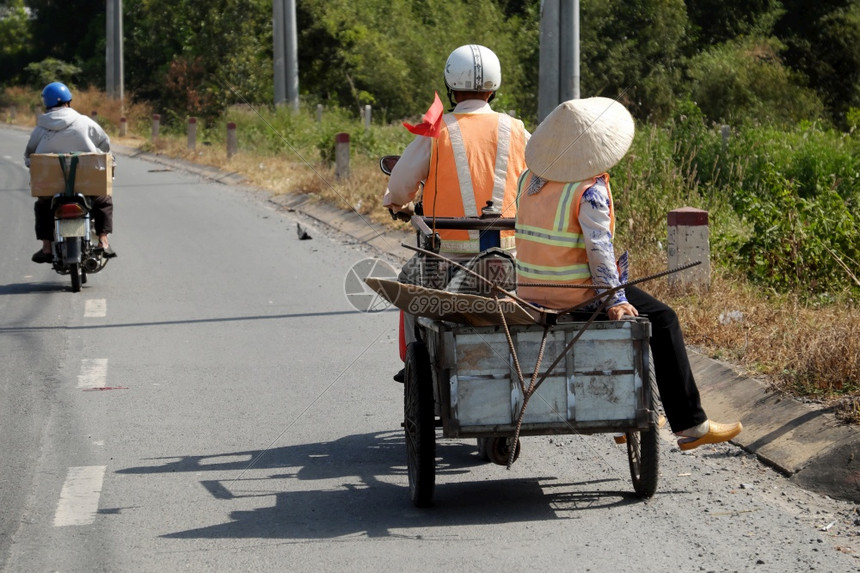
{"points": [[75, 245]]}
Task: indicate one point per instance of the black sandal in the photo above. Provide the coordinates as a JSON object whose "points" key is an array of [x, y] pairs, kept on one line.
{"points": [[41, 256]]}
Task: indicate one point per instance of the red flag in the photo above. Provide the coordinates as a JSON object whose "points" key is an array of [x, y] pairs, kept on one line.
{"points": [[431, 122]]}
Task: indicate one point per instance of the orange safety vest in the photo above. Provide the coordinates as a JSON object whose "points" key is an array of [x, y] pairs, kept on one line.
{"points": [[476, 158], [550, 244]]}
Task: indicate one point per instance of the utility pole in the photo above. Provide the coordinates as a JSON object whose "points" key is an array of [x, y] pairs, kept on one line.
{"points": [[559, 54], [113, 50], [286, 53]]}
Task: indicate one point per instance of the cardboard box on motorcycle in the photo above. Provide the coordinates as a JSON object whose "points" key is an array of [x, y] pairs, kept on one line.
{"points": [[93, 173]]}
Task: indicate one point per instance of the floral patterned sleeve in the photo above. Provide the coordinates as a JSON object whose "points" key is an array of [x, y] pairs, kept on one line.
{"points": [[594, 219]]}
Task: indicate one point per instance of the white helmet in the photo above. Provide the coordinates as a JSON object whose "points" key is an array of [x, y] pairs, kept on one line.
{"points": [[473, 68]]}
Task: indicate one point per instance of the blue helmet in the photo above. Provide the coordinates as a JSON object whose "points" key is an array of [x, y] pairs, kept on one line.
{"points": [[55, 94]]}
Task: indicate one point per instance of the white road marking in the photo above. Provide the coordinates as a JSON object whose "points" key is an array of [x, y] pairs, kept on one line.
{"points": [[95, 308], [79, 498], [93, 373]]}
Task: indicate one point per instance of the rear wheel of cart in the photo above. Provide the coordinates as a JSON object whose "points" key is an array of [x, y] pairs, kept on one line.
{"points": [[643, 448], [420, 425]]}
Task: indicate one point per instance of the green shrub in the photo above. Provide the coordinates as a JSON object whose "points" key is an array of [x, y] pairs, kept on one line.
{"points": [[797, 195], [51, 70], [746, 80]]}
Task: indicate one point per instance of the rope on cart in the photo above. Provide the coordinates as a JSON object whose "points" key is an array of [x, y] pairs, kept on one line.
{"points": [[527, 394], [519, 370]]}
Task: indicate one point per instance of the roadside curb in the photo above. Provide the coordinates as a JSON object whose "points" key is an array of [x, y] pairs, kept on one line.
{"points": [[804, 442]]}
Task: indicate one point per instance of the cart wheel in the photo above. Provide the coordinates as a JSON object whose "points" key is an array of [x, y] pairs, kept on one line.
{"points": [[643, 448], [498, 450], [420, 425]]}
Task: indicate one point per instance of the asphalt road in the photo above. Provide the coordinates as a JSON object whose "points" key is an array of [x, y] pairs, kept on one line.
{"points": [[212, 402]]}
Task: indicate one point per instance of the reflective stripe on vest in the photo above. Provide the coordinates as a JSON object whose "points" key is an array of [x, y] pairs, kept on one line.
{"points": [[474, 246], [500, 178], [464, 176]]}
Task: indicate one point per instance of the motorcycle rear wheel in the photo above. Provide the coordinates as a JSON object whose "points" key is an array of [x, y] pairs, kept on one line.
{"points": [[75, 273]]}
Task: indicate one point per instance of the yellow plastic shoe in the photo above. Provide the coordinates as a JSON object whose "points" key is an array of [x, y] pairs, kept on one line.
{"points": [[717, 433]]}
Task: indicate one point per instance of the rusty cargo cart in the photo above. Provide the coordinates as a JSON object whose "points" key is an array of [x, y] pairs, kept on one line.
{"points": [[502, 372], [464, 379]]}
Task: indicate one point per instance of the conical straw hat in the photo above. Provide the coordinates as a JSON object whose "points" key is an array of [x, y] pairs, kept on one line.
{"points": [[581, 138]]}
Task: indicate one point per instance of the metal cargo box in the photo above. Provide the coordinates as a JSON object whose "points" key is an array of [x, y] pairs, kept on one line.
{"points": [[599, 385]]}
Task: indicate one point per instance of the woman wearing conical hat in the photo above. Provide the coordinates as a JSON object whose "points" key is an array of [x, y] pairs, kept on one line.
{"points": [[564, 231]]}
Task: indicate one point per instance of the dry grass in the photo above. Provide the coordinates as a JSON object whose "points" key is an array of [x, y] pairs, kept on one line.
{"points": [[361, 191], [805, 351], [23, 107]]}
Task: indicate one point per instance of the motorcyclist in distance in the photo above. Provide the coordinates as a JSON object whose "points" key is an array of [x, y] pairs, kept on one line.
{"points": [[61, 129]]}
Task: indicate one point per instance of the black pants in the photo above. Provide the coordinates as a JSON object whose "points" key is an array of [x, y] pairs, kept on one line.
{"points": [[102, 215], [671, 365]]}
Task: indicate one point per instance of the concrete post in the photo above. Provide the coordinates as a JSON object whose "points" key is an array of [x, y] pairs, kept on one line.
{"points": [[95, 115], [192, 133], [156, 122], [232, 143], [341, 156], [688, 242], [549, 61], [726, 132], [367, 117], [319, 112], [123, 127]]}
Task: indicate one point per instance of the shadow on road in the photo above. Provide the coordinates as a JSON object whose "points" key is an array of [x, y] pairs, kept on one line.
{"points": [[363, 490], [31, 288]]}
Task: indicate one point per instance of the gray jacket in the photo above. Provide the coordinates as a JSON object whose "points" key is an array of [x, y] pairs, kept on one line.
{"points": [[63, 130]]}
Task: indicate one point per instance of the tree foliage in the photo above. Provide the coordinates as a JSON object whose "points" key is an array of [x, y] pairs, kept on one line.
{"points": [[718, 21], [632, 50], [823, 40], [196, 57], [14, 28], [15, 37], [71, 32], [199, 57], [391, 54], [745, 80]]}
